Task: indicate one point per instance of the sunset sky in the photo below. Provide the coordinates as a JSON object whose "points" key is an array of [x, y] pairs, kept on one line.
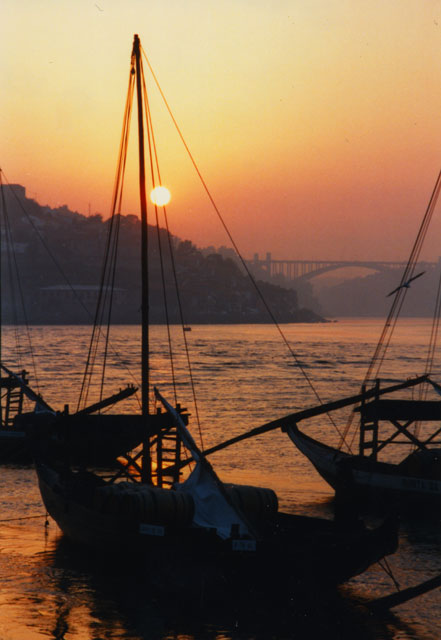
{"points": [[315, 123]]}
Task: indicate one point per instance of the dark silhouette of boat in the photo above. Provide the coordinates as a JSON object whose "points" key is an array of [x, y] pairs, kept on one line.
{"points": [[414, 481], [94, 438], [377, 472], [13, 446]]}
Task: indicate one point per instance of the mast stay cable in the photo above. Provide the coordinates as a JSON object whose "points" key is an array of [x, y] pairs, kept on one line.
{"points": [[401, 291], [60, 269], [109, 261], [173, 266], [236, 248], [13, 270]]}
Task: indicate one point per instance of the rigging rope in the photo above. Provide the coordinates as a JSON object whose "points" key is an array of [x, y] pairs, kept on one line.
{"points": [[13, 265], [151, 141], [109, 261], [383, 343], [60, 269], [14, 270], [41, 515], [434, 331], [233, 243], [392, 318], [398, 301], [110, 256], [152, 145], [110, 287], [384, 564]]}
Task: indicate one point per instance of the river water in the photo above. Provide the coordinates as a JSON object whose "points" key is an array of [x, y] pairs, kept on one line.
{"points": [[244, 376]]}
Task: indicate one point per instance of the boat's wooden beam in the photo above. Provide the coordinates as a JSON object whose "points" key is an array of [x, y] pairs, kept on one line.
{"points": [[384, 443], [431, 438], [132, 463], [294, 418], [402, 429], [29, 393], [107, 402], [9, 383], [415, 410]]}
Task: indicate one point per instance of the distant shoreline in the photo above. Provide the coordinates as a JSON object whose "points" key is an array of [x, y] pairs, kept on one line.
{"points": [[172, 324]]}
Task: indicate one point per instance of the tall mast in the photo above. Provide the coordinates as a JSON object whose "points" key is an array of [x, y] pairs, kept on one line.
{"points": [[144, 245], [2, 213], [146, 464]]}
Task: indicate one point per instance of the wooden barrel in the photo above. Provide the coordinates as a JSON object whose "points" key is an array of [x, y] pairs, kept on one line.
{"points": [[146, 504], [254, 502]]}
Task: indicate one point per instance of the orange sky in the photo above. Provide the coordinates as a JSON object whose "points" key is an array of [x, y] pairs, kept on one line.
{"points": [[317, 125]]}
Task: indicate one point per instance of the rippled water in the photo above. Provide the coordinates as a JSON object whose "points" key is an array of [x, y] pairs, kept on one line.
{"points": [[244, 377]]}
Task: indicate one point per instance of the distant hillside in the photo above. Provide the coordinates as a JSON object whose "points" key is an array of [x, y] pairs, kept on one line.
{"points": [[212, 288], [368, 296]]}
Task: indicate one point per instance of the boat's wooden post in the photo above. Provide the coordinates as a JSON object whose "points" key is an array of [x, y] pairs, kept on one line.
{"points": [[369, 427], [361, 434], [146, 458], [159, 456], [168, 454]]}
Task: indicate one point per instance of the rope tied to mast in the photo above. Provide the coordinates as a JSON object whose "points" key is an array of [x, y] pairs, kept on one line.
{"points": [[394, 312]]}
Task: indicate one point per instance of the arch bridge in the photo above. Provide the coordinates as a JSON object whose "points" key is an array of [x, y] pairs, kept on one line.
{"points": [[308, 269]]}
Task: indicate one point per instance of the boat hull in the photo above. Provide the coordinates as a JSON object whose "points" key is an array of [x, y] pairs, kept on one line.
{"points": [[371, 480], [294, 553]]}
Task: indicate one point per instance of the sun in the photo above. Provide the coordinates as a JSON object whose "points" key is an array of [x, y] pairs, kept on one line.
{"points": [[160, 196]]}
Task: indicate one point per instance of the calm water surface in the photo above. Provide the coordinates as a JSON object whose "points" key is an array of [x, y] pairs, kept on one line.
{"points": [[244, 377]]}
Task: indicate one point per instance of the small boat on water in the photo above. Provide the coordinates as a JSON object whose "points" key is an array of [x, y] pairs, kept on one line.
{"points": [[193, 529], [94, 437], [413, 481], [216, 535], [13, 446], [379, 472]]}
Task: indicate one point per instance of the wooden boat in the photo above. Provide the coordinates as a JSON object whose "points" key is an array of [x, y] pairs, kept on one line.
{"points": [[90, 438], [377, 471], [216, 535], [409, 482], [93, 438], [13, 447], [281, 551], [225, 535], [25, 415], [412, 481]]}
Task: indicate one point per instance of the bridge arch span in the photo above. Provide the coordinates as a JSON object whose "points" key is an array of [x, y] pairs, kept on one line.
{"points": [[308, 269]]}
